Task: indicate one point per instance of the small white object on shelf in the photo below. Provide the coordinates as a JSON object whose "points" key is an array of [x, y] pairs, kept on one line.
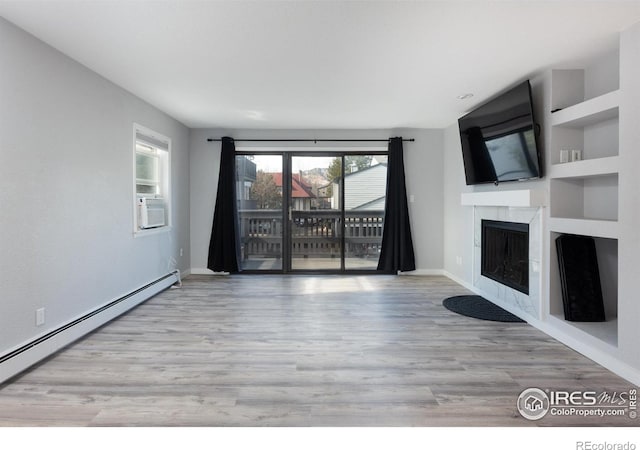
{"points": [[564, 156], [576, 155]]}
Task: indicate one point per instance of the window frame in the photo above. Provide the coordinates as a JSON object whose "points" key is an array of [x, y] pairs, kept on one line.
{"points": [[163, 190], [287, 152]]}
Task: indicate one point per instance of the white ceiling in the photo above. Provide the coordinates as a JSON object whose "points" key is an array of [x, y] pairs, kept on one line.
{"points": [[321, 64]]}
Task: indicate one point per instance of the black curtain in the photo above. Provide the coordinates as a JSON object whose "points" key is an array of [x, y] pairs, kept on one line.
{"points": [[397, 246], [224, 247]]}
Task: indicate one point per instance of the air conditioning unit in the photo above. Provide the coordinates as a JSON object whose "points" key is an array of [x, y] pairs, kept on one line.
{"points": [[151, 212]]}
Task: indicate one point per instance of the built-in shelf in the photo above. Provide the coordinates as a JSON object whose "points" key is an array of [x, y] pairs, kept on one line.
{"points": [[585, 227], [606, 332], [524, 198], [585, 168], [589, 112], [607, 254], [583, 195], [593, 197]]}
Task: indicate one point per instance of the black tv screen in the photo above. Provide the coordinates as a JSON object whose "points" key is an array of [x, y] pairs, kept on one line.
{"points": [[499, 139]]}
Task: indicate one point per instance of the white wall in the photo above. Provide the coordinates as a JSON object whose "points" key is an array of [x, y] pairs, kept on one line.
{"points": [[423, 169], [66, 181], [629, 198], [458, 220]]}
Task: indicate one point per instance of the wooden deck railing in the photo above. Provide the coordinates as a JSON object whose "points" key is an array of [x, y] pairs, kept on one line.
{"points": [[313, 233]]}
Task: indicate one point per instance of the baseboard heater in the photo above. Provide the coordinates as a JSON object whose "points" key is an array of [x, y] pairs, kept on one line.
{"points": [[23, 357]]}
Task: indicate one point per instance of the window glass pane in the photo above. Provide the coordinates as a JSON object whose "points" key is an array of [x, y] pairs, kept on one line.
{"points": [[365, 185], [259, 195], [146, 189], [146, 167], [316, 225]]}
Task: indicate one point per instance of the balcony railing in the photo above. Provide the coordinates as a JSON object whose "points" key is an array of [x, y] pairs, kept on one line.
{"points": [[314, 233]]}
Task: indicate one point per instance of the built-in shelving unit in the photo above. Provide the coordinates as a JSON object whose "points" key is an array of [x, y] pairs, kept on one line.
{"points": [[599, 334], [595, 228], [607, 249], [592, 197], [588, 112], [583, 194], [586, 168]]}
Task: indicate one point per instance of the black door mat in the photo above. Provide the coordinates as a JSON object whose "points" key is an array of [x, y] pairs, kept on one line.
{"points": [[478, 308]]}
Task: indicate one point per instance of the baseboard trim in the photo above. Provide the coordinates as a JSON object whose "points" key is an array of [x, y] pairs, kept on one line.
{"points": [[601, 357], [430, 272], [24, 356], [458, 280], [424, 272], [204, 271]]}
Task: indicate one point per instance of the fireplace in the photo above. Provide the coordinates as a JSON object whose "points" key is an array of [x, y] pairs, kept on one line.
{"points": [[505, 253]]}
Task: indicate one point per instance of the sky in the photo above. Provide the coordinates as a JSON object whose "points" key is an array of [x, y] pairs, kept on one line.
{"points": [[273, 163]]}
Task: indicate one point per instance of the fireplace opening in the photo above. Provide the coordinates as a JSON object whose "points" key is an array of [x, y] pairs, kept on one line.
{"points": [[505, 253]]}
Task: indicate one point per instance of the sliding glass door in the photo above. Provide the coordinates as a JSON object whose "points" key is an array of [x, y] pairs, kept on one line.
{"points": [[320, 212], [315, 214]]}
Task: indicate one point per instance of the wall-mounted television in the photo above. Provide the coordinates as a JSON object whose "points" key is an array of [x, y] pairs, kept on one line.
{"points": [[499, 139]]}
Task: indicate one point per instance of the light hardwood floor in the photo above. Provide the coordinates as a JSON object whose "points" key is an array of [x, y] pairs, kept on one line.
{"points": [[301, 351]]}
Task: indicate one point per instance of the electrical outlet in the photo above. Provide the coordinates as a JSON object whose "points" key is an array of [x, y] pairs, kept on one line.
{"points": [[412, 198], [181, 252], [459, 260], [40, 317]]}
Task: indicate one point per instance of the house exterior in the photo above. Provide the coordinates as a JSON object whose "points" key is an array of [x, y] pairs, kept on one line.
{"points": [[245, 177], [301, 191], [364, 190]]}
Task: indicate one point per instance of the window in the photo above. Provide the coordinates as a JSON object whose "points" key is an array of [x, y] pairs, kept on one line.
{"points": [[151, 180], [147, 170]]}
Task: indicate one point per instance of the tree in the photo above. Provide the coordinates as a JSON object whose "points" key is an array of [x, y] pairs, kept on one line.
{"points": [[334, 171], [265, 192]]}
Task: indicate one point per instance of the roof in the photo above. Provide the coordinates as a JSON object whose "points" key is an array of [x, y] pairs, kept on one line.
{"points": [[374, 166], [373, 205], [299, 187]]}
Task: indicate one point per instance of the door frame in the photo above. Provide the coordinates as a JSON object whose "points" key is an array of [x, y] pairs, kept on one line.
{"points": [[287, 155]]}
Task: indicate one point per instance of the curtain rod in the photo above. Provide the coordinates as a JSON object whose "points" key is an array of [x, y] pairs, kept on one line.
{"points": [[310, 140]]}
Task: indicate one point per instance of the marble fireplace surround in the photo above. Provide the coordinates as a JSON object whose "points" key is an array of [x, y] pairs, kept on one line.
{"points": [[509, 206]]}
